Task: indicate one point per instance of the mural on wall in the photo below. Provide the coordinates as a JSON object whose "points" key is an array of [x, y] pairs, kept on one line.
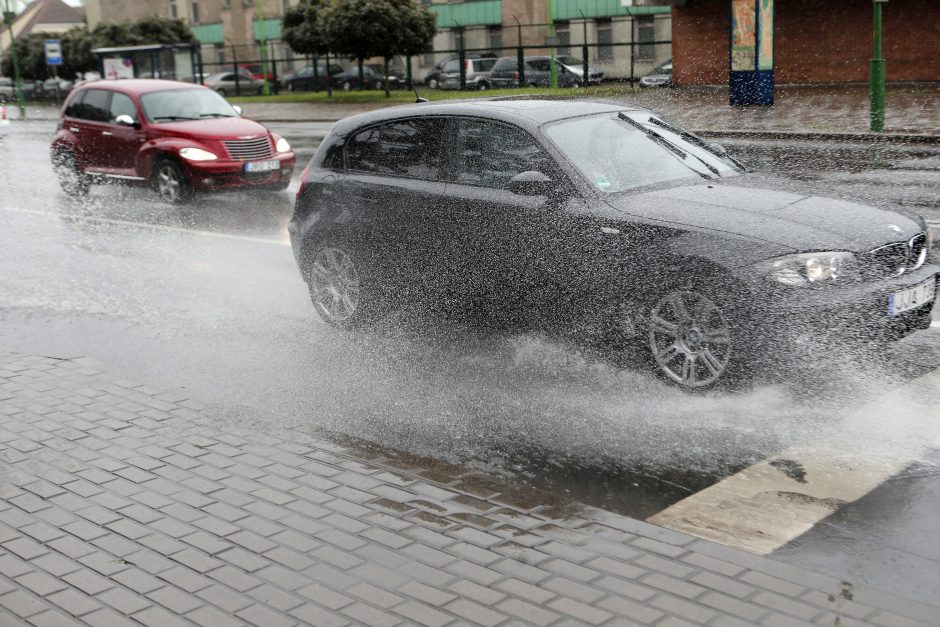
{"points": [[765, 60], [743, 35]]}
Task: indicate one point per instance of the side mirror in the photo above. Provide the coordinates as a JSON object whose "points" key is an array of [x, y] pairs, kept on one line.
{"points": [[238, 109], [530, 183], [125, 120]]}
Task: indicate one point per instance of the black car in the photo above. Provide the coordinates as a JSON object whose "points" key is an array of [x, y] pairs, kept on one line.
{"points": [[309, 77], [600, 220], [537, 73], [372, 78]]}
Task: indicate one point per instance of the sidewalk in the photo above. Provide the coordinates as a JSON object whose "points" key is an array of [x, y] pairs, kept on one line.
{"points": [[122, 501]]}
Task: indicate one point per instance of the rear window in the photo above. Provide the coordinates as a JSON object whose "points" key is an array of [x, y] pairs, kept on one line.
{"points": [[505, 63], [409, 148], [93, 106]]}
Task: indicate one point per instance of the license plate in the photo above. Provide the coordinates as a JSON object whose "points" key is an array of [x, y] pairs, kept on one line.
{"points": [[263, 166], [911, 298]]}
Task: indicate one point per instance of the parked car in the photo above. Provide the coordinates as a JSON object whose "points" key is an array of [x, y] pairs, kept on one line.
{"points": [[47, 88], [477, 74], [505, 73], [225, 84], [433, 78], [659, 77], [576, 66], [373, 76], [597, 220], [310, 77], [7, 90], [176, 137]]}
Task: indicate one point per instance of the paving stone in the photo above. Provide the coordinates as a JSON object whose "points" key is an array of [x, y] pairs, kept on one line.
{"points": [[55, 564], [210, 617], [73, 603], [245, 560], [224, 598], [773, 584], [124, 601], [774, 601], [25, 548], [729, 605], [52, 618], [234, 578], [259, 615], [367, 615], [674, 606], [527, 612], [324, 596], [158, 617], [422, 614], [137, 580], [426, 593]]}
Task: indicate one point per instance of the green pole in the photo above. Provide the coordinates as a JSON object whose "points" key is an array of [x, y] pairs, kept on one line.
{"points": [[877, 88], [9, 16], [263, 42], [552, 70]]}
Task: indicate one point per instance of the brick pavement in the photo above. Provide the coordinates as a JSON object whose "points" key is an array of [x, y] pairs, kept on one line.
{"points": [[125, 504]]}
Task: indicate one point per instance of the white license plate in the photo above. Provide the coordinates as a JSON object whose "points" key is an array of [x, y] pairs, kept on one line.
{"points": [[911, 298], [263, 166]]}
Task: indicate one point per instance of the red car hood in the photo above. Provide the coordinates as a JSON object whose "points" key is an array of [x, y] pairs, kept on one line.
{"points": [[212, 128]]}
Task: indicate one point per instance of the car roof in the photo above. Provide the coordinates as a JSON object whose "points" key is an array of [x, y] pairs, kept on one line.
{"points": [[139, 85], [521, 110]]}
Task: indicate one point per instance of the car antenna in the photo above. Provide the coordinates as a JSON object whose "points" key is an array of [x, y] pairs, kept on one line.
{"points": [[418, 98]]}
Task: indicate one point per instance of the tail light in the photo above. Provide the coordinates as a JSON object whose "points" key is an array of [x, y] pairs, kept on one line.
{"points": [[303, 181], [469, 65], [515, 76]]}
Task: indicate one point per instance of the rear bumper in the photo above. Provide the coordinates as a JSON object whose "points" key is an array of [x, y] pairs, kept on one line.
{"points": [[214, 175]]}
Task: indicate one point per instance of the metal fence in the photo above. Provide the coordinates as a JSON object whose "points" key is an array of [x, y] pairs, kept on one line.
{"points": [[623, 49]]}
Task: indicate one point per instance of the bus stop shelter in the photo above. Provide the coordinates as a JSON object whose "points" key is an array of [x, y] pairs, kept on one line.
{"points": [[180, 61]]}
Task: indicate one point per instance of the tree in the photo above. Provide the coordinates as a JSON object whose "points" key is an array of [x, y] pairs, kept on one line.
{"points": [[304, 30], [383, 28]]}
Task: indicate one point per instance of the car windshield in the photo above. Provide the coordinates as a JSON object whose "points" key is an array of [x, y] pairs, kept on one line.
{"points": [[570, 61], [185, 104], [619, 152]]}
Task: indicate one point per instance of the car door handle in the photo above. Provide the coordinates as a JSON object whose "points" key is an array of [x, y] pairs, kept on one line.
{"points": [[107, 133], [609, 230], [73, 129]]}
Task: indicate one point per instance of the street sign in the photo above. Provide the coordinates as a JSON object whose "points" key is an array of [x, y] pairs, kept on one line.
{"points": [[53, 52]]}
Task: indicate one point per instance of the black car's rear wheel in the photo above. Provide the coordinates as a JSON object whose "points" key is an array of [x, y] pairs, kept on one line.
{"points": [[343, 290], [72, 179], [433, 83]]}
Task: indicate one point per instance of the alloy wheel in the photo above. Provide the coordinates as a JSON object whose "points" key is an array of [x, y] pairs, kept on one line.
{"points": [[334, 284], [169, 182], [689, 339]]}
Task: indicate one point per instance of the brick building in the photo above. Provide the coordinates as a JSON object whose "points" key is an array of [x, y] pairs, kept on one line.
{"points": [[815, 41]]}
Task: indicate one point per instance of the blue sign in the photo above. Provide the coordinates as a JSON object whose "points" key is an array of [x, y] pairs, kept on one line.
{"points": [[53, 52]]}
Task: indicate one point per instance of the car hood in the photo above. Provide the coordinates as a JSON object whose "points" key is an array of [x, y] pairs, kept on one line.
{"points": [[212, 128], [798, 221]]}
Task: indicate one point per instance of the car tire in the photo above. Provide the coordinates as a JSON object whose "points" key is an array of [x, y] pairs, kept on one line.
{"points": [[694, 340], [347, 86], [72, 179], [483, 86], [170, 182], [343, 288], [433, 83], [221, 91], [379, 84]]}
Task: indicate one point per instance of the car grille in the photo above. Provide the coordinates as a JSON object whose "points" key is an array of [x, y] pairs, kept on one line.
{"points": [[249, 149], [897, 258]]}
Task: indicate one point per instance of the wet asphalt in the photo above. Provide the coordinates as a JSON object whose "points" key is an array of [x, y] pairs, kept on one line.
{"points": [[208, 297]]}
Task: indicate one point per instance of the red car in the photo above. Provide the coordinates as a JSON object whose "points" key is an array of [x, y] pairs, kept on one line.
{"points": [[176, 137]]}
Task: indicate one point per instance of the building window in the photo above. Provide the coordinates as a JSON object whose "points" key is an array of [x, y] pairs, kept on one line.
{"points": [[195, 6], [645, 35], [605, 40], [173, 12], [563, 32], [496, 39]]}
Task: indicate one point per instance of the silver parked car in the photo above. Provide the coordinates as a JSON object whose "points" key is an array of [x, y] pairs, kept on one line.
{"points": [[477, 73], [224, 83]]}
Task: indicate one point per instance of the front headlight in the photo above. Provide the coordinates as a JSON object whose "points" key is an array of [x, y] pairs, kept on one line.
{"points": [[197, 154], [282, 145], [808, 268]]}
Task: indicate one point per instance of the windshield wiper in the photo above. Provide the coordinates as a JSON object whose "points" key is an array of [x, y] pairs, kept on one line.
{"points": [[693, 139], [665, 143], [215, 115], [171, 117]]}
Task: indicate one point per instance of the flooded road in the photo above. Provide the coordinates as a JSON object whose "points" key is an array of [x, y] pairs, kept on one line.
{"points": [[208, 297]]}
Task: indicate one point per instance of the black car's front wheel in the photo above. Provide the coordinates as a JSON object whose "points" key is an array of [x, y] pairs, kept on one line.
{"points": [[343, 291], [693, 341]]}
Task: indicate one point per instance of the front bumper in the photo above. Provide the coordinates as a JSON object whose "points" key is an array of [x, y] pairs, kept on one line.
{"points": [[854, 309], [216, 175]]}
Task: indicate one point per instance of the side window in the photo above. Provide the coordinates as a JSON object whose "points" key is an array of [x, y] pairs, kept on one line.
{"points": [[228, 77], [539, 65], [401, 148], [94, 105], [491, 154], [121, 105], [73, 110]]}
